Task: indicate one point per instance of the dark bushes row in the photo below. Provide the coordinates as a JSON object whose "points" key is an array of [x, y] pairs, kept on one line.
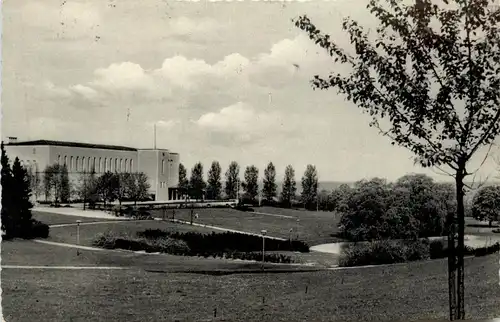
{"points": [[439, 249], [163, 245], [226, 241], [399, 251], [35, 229], [178, 247]]}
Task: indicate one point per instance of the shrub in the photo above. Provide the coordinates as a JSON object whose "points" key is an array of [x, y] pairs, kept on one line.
{"points": [[163, 245], [37, 229], [384, 252], [200, 243], [496, 230]]}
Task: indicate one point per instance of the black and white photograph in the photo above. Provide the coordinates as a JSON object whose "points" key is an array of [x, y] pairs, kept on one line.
{"points": [[299, 160]]}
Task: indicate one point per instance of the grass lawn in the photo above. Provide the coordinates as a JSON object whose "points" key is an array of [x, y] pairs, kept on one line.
{"points": [[403, 292], [89, 232], [314, 228]]}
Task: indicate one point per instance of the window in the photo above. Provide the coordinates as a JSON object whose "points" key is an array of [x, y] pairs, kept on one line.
{"points": [[116, 165], [121, 166], [71, 163], [88, 164], [100, 165], [59, 159], [126, 166], [83, 164], [162, 166], [94, 164], [77, 163], [66, 160], [131, 165], [106, 165]]}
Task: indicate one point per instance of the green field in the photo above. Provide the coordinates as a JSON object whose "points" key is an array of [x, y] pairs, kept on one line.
{"points": [[313, 227], [400, 292]]}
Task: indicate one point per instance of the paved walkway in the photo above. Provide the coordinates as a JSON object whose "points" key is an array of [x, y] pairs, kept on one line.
{"points": [[272, 215], [221, 228], [90, 223], [78, 212]]}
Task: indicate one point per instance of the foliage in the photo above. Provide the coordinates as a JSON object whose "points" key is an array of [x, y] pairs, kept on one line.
{"points": [[269, 191], [183, 185], [200, 243], [16, 205], [232, 180], [486, 204], [412, 207], [56, 183], [251, 185], [8, 206], [87, 189], [164, 245], [384, 252], [196, 183], [126, 185], [214, 188], [289, 187], [309, 192], [139, 187], [107, 187], [430, 83]]}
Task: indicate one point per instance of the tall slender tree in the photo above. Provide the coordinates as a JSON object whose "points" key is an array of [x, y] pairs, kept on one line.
{"points": [[270, 186], [183, 185], [289, 187], [432, 77], [251, 184], [196, 183], [214, 188], [65, 188], [232, 180], [7, 202], [21, 193], [309, 192]]}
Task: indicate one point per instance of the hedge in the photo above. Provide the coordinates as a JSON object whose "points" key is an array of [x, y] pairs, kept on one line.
{"points": [[401, 251], [227, 241], [178, 247]]}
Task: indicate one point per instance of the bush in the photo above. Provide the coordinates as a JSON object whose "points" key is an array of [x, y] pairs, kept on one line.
{"points": [[497, 231], [38, 230], [200, 243], [384, 252], [163, 245]]}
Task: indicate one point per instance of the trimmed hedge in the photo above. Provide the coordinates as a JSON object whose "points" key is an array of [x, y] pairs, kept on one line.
{"points": [[400, 251], [226, 241], [439, 249], [178, 247], [163, 245], [383, 252]]}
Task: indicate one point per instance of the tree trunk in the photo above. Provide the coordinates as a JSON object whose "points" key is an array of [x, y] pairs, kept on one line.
{"points": [[461, 246], [490, 223], [452, 267]]}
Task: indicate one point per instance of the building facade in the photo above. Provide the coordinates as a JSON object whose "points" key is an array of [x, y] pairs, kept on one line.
{"points": [[160, 165]]}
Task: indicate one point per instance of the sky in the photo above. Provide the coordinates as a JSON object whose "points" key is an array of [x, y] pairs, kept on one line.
{"points": [[221, 80]]}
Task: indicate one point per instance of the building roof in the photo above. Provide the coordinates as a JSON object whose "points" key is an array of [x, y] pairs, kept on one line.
{"points": [[72, 144]]}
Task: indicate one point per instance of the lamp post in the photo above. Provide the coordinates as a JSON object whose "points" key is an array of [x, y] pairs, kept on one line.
{"points": [[78, 232], [78, 236], [264, 232], [298, 222]]}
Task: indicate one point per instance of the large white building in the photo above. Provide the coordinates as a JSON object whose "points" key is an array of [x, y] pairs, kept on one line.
{"points": [[160, 165]]}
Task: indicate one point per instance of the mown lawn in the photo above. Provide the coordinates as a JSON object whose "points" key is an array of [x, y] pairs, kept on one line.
{"points": [[88, 233], [314, 228], [402, 292]]}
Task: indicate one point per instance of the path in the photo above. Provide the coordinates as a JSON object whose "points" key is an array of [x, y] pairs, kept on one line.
{"points": [[78, 212], [90, 223], [273, 215]]}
